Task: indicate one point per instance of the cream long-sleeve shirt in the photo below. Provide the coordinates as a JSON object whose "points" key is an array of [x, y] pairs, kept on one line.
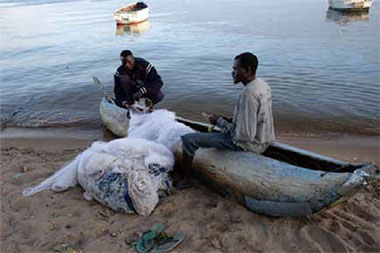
{"points": [[252, 124]]}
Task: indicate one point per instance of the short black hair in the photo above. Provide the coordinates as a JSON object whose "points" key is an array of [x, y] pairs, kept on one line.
{"points": [[248, 60], [125, 53]]}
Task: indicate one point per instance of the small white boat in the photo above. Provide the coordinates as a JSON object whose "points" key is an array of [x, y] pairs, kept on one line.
{"points": [[132, 13], [350, 5]]}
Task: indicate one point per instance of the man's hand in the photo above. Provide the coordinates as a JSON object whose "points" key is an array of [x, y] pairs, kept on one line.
{"points": [[137, 96], [213, 118], [127, 103]]}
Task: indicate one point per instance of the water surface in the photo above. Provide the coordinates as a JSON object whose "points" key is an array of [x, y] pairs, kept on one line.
{"points": [[323, 66]]}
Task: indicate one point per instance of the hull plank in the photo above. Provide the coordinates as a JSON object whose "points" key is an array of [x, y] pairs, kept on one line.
{"points": [[277, 208], [242, 174]]}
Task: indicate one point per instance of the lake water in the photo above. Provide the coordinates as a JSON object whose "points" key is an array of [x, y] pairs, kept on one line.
{"points": [[323, 66]]}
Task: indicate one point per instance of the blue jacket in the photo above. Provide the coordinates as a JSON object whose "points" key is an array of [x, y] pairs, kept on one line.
{"points": [[144, 78]]}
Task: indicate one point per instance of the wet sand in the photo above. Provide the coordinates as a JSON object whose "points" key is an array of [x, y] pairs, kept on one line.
{"points": [[50, 221]]}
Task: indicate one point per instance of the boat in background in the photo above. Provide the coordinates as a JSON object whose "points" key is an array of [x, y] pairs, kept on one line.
{"points": [[350, 5], [132, 13]]}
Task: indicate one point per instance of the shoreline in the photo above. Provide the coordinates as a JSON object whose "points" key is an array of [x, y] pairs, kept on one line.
{"points": [[349, 148]]}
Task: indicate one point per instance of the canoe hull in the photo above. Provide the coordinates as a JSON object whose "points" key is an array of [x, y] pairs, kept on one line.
{"points": [[114, 118], [270, 186], [130, 17], [352, 5], [243, 175]]}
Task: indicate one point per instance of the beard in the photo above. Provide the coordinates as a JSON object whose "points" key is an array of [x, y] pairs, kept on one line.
{"points": [[235, 81]]}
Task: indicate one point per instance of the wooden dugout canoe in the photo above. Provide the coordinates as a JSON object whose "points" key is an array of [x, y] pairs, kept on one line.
{"points": [[284, 181]]}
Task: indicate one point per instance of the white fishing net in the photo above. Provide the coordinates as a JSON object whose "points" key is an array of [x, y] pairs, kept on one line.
{"points": [[128, 174]]}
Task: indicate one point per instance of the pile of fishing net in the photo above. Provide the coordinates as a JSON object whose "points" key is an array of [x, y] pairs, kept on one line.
{"points": [[128, 174]]}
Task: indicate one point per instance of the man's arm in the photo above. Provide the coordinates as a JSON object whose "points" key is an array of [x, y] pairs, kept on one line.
{"points": [[121, 97], [246, 122], [153, 81], [222, 122], [225, 124]]}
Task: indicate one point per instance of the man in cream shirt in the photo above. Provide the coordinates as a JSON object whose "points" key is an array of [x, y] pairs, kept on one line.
{"points": [[251, 127]]}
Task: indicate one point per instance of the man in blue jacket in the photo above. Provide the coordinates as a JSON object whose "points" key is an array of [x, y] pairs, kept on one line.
{"points": [[136, 78]]}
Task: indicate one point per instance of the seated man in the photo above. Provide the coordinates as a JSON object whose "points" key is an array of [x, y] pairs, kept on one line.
{"points": [[250, 129], [136, 78]]}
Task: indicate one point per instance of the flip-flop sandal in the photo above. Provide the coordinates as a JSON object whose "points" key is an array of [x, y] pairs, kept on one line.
{"points": [[167, 243], [146, 242]]}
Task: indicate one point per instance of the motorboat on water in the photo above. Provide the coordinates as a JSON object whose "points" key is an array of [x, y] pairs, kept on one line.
{"points": [[132, 13], [350, 5]]}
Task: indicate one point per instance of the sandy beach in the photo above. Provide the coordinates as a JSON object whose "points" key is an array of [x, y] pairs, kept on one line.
{"points": [[48, 221]]}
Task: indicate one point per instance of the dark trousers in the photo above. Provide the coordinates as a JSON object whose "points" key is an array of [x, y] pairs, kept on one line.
{"points": [[131, 86], [193, 141], [156, 97]]}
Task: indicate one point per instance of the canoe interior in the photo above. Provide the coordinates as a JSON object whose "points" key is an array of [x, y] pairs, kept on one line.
{"points": [[133, 7], [313, 162], [292, 155], [348, 10]]}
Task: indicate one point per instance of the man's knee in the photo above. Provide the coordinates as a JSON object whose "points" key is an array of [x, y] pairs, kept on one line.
{"points": [[188, 144], [190, 137], [186, 139], [158, 97]]}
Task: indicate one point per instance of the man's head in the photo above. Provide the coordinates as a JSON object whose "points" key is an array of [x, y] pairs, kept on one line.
{"points": [[127, 59], [244, 68]]}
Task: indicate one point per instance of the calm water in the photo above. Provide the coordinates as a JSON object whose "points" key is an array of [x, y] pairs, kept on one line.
{"points": [[323, 66]]}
